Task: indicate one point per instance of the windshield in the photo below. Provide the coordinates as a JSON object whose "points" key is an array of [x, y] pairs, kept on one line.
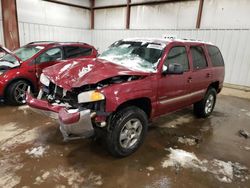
{"points": [[136, 55], [23, 53]]}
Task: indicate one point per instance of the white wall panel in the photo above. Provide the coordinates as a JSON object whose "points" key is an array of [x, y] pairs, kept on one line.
{"points": [[165, 16], [85, 3], [226, 14], [113, 18], [109, 2], [38, 32], [234, 45], [42, 12]]}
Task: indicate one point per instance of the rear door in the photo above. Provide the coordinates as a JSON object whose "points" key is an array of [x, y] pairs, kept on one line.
{"points": [[172, 88], [48, 58], [201, 75], [78, 52]]}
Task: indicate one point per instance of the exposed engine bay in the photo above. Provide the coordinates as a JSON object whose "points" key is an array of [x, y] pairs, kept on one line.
{"points": [[55, 94]]}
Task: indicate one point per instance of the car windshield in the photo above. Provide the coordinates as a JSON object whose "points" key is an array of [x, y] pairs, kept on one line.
{"points": [[135, 55], [23, 53]]}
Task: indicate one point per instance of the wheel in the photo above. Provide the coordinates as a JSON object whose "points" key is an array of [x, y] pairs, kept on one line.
{"points": [[16, 93], [128, 129], [205, 107]]}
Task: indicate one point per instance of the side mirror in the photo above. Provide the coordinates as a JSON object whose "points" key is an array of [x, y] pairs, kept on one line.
{"points": [[174, 68]]}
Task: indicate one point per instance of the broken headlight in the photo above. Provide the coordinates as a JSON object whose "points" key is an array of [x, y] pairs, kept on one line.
{"points": [[90, 96], [44, 80]]}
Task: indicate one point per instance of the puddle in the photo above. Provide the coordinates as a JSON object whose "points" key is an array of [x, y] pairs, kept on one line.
{"points": [[225, 172]]}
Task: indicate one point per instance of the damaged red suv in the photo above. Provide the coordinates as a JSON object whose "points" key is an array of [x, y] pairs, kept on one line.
{"points": [[22, 68], [128, 85]]}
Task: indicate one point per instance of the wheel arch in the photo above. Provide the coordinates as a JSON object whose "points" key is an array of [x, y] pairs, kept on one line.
{"points": [[215, 85], [143, 103], [33, 86]]}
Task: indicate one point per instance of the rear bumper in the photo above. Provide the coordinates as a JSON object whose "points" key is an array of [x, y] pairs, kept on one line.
{"points": [[74, 124]]}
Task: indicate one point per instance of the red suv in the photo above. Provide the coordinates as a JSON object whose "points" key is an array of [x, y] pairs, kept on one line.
{"points": [[128, 85], [22, 68]]}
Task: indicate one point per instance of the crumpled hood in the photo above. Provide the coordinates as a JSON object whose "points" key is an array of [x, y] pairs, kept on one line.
{"points": [[76, 73]]}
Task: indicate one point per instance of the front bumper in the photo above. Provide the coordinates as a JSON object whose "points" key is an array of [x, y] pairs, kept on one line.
{"points": [[74, 124]]}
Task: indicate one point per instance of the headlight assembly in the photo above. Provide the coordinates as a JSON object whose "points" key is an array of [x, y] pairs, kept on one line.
{"points": [[44, 80], [90, 96]]}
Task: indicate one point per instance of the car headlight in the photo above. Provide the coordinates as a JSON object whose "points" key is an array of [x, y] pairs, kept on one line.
{"points": [[90, 96], [44, 80], [1, 72]]}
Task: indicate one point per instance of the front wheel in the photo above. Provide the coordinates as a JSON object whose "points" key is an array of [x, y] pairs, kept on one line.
{"points": [[16, 92], [128, 129], [205, 107]]}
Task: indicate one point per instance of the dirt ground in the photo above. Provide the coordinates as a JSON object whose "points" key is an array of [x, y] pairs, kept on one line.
{"points": [[179, 151]]}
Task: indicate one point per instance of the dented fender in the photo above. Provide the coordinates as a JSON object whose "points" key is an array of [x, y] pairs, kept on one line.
{"points": [[124, 92]]}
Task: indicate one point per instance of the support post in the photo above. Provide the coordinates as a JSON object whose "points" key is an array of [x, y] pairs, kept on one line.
{"points": [[92, 14], [10, 24], [198, 22], [128, 14]]}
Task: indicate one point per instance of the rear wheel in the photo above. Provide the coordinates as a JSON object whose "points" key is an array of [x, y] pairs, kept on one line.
{"points": [[205, 107], [128, 129], [16, 92]]}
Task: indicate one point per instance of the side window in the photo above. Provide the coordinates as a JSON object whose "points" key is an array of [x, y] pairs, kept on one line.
{"points": [[75, 51], [53, 54], [215, 56], [198, 56], [178, 55]]}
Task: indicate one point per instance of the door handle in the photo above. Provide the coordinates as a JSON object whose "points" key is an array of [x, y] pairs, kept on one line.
{"points": [[208, 75], [189, 80]]}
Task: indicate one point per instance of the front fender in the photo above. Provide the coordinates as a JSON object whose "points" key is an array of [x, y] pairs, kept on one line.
{"points": [[117, 94]]}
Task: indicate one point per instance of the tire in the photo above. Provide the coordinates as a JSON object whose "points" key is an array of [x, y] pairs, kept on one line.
{"points": [[15, 93], [127, 131], [205, 107]]}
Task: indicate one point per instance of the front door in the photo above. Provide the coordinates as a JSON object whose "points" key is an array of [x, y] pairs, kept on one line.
{"points": [[48, 58], [173, 87]]}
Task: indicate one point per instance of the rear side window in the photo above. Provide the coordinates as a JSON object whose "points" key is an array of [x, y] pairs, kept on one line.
{"points": [[54, 54], [215, 56], [178, 55], [76, 51], [198, 56]]}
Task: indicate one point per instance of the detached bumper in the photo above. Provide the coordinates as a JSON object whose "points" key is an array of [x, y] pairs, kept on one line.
{"points": [[43, 107], [74, 124]]}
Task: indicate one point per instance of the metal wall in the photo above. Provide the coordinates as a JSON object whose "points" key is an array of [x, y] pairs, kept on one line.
{"points": [[51, 21], [226, 14], [234, 45], [77, 2], [39, 32], [108, 19], [165, 16]]}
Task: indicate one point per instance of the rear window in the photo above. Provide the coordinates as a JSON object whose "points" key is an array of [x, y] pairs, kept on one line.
{"points": [[215, 56], [199, 59], [75, 51]]}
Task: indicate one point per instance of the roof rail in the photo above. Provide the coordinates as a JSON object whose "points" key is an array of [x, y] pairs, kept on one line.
{"points": [[192, 39], [73, 42], [35, 42]]}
